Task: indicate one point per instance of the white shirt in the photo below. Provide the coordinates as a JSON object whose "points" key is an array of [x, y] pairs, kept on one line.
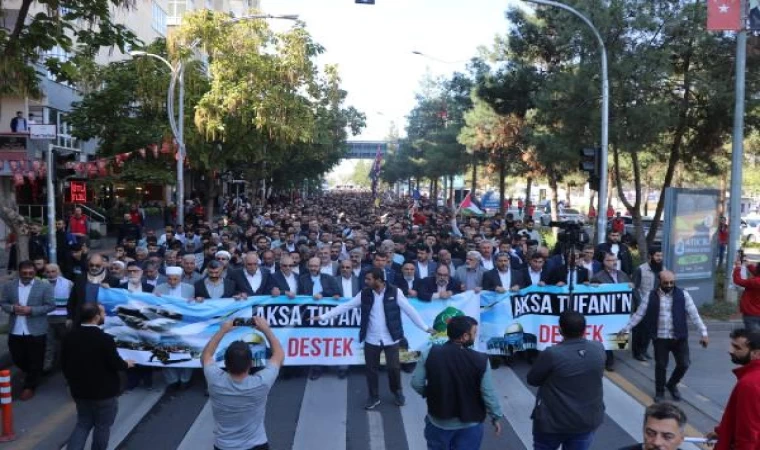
{"points": [[615, 249], [589, 266], [174, 291], [358, 271], [377, 328], [535, 277], [348, 287], [487, 263], [422, 269], [409, 283], [132, 287], [506, 279], [254, 280], [20, 327], [327, 270], [292, 282], [62, 288]]}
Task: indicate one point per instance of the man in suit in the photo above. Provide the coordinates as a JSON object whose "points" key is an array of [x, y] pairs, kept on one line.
{"points": [[284, 281], [251, 279], [135, 281], [379, 261], [444, 259], [214, 286], [28, 301], [610, 275], [87, 286], [617, 248], [588, 262], [424, 267], [570, 272], [317, 285], [151, 275], [91, 365], [409, 283], [177, 378], [326, 265], [439, 287], [535, 274], [486, 254], [348, 283], [503, 277], [470, 275]]}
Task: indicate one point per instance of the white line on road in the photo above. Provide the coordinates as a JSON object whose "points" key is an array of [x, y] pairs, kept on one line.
{"points": [[201, 433], [413, 415], [376, 433], [517, 402], [328, 395]]}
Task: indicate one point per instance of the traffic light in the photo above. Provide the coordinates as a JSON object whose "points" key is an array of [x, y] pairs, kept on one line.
{"points": [[591, 162]]}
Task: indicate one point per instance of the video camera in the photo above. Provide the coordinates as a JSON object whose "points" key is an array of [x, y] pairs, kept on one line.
{"points": [[571, 235]]}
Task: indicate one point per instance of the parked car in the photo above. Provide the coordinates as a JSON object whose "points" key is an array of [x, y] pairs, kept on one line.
{"points": [[750, 229], [565, 215]]}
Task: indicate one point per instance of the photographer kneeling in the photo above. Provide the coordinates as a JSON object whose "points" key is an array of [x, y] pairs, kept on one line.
{"points": [[238, 400]]}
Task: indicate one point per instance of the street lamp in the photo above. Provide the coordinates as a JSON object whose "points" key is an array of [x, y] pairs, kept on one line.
{"points": [[601, 216], [177, 121], [443, 61]]}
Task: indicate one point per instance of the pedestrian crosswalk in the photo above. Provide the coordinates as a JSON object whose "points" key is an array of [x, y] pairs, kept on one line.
{"points": [[328, 414]]}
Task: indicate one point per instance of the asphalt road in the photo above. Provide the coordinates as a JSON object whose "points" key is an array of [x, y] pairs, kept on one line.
{"points": [[327, 413]]}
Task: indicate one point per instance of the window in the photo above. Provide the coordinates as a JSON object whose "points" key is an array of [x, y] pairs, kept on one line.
{"points": [[65, 139], [58, 53], [159, 19]]}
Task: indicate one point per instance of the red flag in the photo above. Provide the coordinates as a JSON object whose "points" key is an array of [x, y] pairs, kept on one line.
{"points": [[724, 15]]}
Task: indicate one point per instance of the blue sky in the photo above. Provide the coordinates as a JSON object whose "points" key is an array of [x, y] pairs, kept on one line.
{"points": [[373, 44]]}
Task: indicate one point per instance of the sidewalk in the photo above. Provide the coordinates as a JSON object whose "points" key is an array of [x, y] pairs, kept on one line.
{"points": [[105, 246]]}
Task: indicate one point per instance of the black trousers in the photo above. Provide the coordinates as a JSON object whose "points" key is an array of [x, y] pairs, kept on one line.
{"points": [[392, 365], [28, 354], [662, 350], [639, 340], [258, 447]]}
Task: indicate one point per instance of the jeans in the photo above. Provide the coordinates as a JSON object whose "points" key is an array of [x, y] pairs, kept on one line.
{"points": [[462, 439], [662, 350], [28, 354], [392, 365], [98, 414], [177, 374], [568, 441], [721, 253], [751, 323]]}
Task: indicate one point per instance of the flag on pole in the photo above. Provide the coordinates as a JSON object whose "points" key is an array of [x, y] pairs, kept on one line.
{"points": [[374, 174], [724, 15], [468, 207]]}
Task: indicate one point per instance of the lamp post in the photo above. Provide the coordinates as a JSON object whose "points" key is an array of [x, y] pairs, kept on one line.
{"points": [[442, 61], [177, 121], [601, 216]]}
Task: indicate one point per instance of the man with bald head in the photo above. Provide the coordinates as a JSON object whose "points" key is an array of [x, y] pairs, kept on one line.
{"points": [[251, 279], [664, 315]]}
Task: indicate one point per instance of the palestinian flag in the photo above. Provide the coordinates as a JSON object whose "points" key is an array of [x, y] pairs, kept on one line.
{"points": [[468, 207]]}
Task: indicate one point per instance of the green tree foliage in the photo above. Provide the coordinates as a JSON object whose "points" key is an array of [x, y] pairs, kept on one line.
{"points": [[360, 175], [78, 27]]}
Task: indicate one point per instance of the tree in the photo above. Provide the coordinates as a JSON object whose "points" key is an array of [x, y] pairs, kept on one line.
{"points": [[77, 27], [360, 175]]}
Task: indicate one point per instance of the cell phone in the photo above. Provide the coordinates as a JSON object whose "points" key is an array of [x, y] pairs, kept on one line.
{"points": [[242, 322], [703, 344]]}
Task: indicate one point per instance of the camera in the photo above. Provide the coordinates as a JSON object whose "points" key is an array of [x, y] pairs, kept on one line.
{"points": [[571, 234], [242, 322]]}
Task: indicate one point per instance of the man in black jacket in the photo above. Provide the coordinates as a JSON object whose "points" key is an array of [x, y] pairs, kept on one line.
{"points": [[91, 365], [569, 403], [494, 279], [87, 286], [251, 280], [456, 382]]}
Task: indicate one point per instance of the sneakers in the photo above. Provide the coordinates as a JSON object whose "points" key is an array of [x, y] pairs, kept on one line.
{"points": [[371, 403], [400, 399]]}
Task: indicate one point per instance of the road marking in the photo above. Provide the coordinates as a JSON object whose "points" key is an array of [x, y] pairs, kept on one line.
{"points": [[413, 414], [517, 402], [201, 433], [37, 435], [329, 396], [376, 433], [644, 400]]}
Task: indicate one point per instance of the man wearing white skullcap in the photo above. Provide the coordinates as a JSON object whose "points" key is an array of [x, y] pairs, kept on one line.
{"points": [[176, 378]]}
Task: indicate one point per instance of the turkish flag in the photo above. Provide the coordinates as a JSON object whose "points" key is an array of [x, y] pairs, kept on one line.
{"points": [[724, 15]]}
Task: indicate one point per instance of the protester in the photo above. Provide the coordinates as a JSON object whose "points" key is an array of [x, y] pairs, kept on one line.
{"points": [[176, 377], [61, 293], [27, 301], [238, 399], [91, 365], [646, 278], [739, 428], [722, 240], [624, 260], [440, 286], [380, 330], [665, 322], [569, 402], [135, 281], [502, 278], [251, 279], [455, 381], [214, 285], [610, 274], [664, 428], [470, 275], [87, 286], [749, 305]]}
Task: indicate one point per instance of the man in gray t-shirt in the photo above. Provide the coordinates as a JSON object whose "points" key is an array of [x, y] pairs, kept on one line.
{"points": [[238, 400]]}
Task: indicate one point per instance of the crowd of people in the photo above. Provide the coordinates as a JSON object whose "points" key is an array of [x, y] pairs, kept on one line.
{"points": [[341, 246]]}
